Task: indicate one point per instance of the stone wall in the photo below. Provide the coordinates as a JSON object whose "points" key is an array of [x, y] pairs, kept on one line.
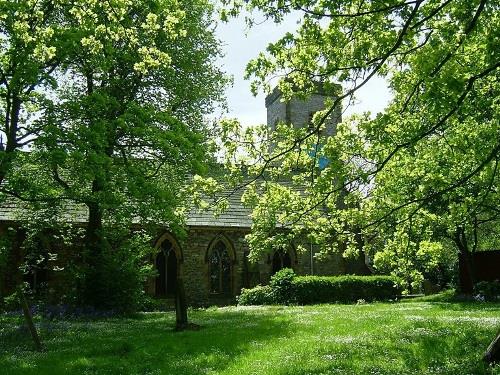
{"points": [[195, 270], [52, 276], [10, 275], [193, 265], [299, 112]]}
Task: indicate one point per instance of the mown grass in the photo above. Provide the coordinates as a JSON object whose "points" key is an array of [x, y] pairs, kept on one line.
{"points": [[397, 338]]}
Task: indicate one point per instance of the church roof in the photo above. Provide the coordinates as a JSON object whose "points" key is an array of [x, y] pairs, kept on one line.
{"points": [[235, 216]]}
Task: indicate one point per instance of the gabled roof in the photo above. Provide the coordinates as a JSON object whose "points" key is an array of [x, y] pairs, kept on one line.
{"points": [[236, 215]]}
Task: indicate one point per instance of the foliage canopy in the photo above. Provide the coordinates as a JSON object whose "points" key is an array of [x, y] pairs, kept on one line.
{"points": [[113, 112], [423, 170]]}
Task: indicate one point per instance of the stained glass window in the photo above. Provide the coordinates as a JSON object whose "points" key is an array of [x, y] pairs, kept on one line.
{"points": [[219, 264], [166, 267]]}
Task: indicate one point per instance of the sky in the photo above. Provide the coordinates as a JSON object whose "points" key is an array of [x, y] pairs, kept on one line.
{"points": [[240, 45]]}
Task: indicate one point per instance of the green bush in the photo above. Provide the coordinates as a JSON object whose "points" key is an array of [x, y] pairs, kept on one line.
{"points": [[151, 304], [489, 290], [10, 303], [259, 295], [112, 284], [287, 288], [113, 281], [281, 284], [322, 289]]}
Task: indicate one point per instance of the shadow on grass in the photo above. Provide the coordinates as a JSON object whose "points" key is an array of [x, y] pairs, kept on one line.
{"points": [[449, 300], [425, 342], [140, 345], [444, 347]]}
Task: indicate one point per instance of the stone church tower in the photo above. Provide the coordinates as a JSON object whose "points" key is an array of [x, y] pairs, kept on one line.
{"points": [[299, 112]]}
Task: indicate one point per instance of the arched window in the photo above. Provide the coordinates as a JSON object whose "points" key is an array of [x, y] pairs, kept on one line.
{"points": [[251, 273], [281, 259], [166, 267], [219, 269]]}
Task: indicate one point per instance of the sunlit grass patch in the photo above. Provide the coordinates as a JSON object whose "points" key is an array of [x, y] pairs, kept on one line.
{"points": [[397, 338]]}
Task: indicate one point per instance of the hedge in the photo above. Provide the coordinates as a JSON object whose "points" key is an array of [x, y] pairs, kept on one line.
{"points": [[260, 295], [287, 288], [321, 289]]}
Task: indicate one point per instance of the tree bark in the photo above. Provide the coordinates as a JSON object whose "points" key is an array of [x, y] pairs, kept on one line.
{"points": [[466, 269], [96, 248], [181, 317], [466, 280], [29, 321], [94, 231], [11, 124], [492, 354], [5, 162]]}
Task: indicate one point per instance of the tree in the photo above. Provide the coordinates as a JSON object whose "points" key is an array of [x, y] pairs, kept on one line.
{"points": [[127, 125], [423, 169], [432, 149], [35, 43]]}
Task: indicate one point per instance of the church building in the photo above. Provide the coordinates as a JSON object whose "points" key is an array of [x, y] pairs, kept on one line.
{"points": [[213, 255]]}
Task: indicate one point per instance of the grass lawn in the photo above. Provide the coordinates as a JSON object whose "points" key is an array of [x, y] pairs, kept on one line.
{"points": [[399, 338]]}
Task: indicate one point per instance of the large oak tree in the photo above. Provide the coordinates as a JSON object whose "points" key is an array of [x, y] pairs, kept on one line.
{"points": [[430, 156], [125, 123]]}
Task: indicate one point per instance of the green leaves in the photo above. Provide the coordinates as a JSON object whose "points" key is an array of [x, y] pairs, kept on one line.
{"points": [[408, 178]]}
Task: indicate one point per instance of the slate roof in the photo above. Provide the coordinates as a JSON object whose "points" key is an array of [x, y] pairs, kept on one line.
{"points": [[236, 215], [7, 210], [12, 210]]}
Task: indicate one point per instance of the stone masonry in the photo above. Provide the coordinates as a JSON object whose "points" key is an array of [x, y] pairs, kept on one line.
{"points": [[205, 230]]}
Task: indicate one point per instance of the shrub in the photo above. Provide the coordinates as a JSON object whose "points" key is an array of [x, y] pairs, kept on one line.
{"points": [[489, 290], [113, 281], [116, 283], [282, 286], [347, 289], [151, 304], [10, 303], [259, 295], [287, 288]]}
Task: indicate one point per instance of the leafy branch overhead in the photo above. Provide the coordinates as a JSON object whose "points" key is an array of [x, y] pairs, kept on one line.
{"points": [[110, 99], [429, 158]]}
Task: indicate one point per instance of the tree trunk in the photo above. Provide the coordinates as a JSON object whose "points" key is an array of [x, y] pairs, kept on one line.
{"points": [[492, 354], [11, 124], [96, 246], [5, 162], [466, 280], [466, 269], [181, 317], [29, 321], [94, 232]]}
